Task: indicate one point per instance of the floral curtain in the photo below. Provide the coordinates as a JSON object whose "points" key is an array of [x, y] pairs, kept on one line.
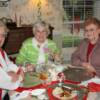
{"points": [[25, 12]]}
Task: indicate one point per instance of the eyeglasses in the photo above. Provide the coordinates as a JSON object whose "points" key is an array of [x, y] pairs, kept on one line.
{"points": [[90, 30], [43, 31]]}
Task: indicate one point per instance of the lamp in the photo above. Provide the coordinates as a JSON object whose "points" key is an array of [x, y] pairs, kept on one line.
{"points": [[39, 9]]}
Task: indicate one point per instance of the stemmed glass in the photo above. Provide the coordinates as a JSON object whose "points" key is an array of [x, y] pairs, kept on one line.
{"points": [[50, 56], [43, 73], [61, 78], [43, 76], [29, 67]]}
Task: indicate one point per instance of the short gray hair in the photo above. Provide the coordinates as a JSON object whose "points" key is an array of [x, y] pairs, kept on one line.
{"points": [[39, 24], [5, 27]]}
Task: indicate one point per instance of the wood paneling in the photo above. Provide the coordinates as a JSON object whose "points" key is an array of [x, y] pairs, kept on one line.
{"points": [[16, 37]]}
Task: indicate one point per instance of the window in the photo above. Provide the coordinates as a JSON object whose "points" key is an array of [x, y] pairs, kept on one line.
{"points": [[76, 11]]}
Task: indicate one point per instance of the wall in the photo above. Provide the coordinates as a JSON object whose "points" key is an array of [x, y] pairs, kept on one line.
{"points": [[97, 9], [3, 12]]}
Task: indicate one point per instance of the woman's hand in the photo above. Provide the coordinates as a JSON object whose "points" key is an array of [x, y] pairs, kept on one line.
{"points": [[89, 68], [20, 72], [30, 68], [57, 58], [14, 76]]}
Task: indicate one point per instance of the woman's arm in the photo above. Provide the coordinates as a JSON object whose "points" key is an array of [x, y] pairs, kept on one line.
{"points": [[10, 65], [5, 81], [76, 58]]}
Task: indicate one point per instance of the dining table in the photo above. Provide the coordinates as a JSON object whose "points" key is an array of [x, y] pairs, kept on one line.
{"points": [[49, 88], [73, 77]]}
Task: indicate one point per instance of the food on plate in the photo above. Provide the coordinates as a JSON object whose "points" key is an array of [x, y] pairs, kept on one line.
{"points": [[58, 90], [64, 94], [43, 76]]}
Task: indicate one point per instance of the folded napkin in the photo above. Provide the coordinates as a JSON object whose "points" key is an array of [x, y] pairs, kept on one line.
{"points": [[92, 80], [94, 93], [94, 87], [19, 96], [93, 96]]}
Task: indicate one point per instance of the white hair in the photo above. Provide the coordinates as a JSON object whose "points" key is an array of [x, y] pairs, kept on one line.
{"points": [[40, 24], [5, 27]]}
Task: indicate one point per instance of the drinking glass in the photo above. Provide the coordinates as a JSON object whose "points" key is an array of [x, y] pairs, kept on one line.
{"points": [[43, 73], [43, 76], [50, 56], [29, 67], [61, 78]]}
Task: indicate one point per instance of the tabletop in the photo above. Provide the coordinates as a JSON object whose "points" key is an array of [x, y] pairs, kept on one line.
{"points": [[73, 77], [81, 91], [32, 81]]}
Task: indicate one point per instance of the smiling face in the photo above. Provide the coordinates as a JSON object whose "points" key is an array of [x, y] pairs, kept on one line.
{"points": [[41, 31], [2, 36], [41, 35], [92, 29], [92, 32]]}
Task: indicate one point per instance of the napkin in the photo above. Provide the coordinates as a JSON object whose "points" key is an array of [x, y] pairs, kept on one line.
{"points": [[59, 68], [6, 81], [37, 92], [19, 96], [92, 80]]}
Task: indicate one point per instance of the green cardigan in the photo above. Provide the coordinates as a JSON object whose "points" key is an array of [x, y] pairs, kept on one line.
{"points": [[28, 53]]}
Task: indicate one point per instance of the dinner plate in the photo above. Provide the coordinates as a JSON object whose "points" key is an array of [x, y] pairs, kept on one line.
{"points": [[73, 94], [37, 92]]}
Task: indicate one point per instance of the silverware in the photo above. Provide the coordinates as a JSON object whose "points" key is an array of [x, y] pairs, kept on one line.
{"points": [[69, 89]]}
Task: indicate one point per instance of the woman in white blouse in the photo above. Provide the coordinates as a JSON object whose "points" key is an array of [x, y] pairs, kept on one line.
{"points": [[10, 75]]}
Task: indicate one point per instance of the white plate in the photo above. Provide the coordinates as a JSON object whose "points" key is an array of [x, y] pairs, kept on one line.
{"points": [[37, 92], [73, 95]]}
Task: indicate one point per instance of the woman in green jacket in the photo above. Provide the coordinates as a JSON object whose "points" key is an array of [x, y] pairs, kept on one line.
{"points": [[36, 50]]}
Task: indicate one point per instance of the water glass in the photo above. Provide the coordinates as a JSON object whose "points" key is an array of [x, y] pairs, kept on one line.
{"points": [[61, 78]]}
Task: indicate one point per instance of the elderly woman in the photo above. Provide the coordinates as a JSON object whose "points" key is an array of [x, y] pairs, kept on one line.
{"points": [[10, 75], [88, 52], [36, 50], [8, 71]]}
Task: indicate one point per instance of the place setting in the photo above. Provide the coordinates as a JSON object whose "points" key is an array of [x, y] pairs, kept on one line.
{"points": [[66, 90], [52, 81]]}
